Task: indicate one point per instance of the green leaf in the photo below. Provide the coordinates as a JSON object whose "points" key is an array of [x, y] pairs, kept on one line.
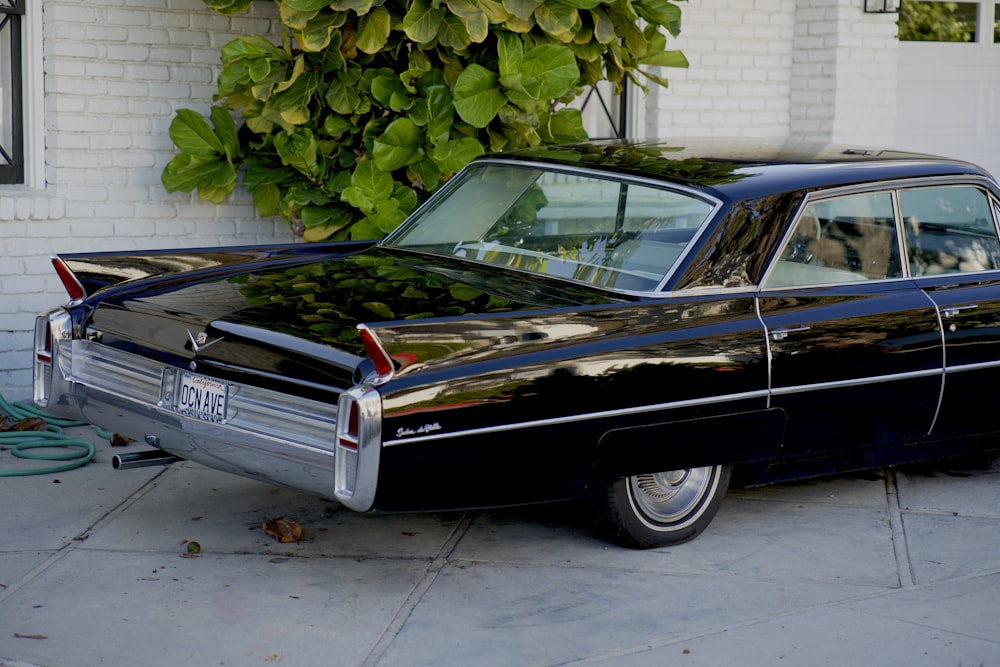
{"points": [[548, 71], [254, 46], [360, 7], [476, 95], [660, 12], [510, 52], [455, 154], [461, 292], [557, 18], [293, 104], [214, 179], [387, 216], [441, 113], [319, 32], [665, 59], [476, 23], [228, 7], [522, 9], [295, 19], [342, 95], [566, 126], [454, 33], [380, 309], [191, 134], [225, 130], [373, 30], [391, 93], [604, 27], [398, 146], [422, 21], [306, 5], [369, 185], [266, 199], [323, 222], [297, 150], [425, 174]]}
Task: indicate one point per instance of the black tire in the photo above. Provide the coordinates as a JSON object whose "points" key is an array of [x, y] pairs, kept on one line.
{"points": [[663, 509]]}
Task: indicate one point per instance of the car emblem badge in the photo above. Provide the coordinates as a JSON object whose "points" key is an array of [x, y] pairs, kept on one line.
{"points": [[200, 342]]}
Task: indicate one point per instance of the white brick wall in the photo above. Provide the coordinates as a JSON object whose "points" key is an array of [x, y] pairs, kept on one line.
{"points": [[115, 71], [813, 69], [738, 82]]}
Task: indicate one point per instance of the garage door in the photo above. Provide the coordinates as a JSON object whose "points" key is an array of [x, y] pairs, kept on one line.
{"points": [[949, 81]]}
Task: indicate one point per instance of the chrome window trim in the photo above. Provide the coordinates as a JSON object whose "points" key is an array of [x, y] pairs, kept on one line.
{"points": [[892, 187]]}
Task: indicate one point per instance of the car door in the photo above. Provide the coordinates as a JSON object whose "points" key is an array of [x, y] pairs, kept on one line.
{"points": [[954, 255], [854, 346]]}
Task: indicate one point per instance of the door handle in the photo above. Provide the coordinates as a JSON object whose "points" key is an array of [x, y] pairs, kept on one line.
{"points": [[782, 334], [952, 311]]}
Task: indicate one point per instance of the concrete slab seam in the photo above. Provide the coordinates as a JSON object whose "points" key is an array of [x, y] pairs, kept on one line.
{"points": [[904, 568]]}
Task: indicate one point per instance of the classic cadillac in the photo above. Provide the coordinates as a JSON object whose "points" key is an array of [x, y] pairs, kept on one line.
{"points": [[621, 324]]}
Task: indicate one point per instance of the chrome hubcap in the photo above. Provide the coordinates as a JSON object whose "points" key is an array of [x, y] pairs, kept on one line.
{"points": [[666, 497]]}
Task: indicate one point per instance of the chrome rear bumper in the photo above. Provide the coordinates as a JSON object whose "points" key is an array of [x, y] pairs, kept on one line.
{"points": [[269, 436]]}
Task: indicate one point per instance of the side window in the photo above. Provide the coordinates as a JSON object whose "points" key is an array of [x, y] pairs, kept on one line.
{"points": [[949, 230], [840, 240]]}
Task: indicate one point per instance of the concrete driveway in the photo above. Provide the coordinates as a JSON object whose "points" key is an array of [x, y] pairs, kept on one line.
{"points": [[898, 568]]}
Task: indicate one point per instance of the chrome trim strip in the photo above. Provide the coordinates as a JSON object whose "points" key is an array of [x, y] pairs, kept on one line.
{"points": [[856, 382], [944, 360], [768, 352], [972, 367], [586, 417]]}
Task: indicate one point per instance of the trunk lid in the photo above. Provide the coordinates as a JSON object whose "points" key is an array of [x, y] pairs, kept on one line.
{"points": [[290, 314]]}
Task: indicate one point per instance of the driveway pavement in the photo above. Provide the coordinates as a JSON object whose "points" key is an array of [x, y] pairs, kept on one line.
{"points": [[882, 569]]}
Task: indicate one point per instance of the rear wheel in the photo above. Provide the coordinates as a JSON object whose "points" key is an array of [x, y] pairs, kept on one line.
{"points": [[665, 508]]}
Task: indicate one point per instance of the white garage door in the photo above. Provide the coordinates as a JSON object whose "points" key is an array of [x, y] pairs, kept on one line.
{"points": [[949, 92]]}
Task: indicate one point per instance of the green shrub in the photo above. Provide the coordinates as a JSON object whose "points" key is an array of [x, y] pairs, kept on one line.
{"points": [[368, 106]]}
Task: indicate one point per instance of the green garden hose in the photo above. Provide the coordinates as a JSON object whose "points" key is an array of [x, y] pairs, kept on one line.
{"points": [[82, 452]]}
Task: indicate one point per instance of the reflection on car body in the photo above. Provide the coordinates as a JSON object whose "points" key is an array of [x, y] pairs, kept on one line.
{"points": [[621, 324]]}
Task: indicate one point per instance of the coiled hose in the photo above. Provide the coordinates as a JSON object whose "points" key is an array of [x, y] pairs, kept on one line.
{"points": [[82, 452]]}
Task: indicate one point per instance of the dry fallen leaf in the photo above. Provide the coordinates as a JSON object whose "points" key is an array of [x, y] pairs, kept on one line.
{"points": [[284, 530], [28, 424], [24, 636], [119, 440]]}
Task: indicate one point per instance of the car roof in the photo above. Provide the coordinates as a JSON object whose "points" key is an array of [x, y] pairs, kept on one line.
{"points": [[741, 168]]}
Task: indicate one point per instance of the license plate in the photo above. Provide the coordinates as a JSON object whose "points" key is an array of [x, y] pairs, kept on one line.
{"points": [[201, 397]]}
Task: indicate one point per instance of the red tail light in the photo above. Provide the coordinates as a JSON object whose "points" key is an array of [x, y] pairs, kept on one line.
{"points": [[43, 342], [69, 281], [384, 366], [348, 437]]}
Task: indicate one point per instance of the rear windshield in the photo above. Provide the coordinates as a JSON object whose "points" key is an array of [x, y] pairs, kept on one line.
{"points": [[600, 231]]}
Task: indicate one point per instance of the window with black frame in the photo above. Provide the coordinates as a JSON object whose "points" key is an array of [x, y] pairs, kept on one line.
{"points": [[11, 93]]}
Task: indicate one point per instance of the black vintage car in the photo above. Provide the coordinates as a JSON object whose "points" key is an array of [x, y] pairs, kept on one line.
{"points": [[624, 323]]}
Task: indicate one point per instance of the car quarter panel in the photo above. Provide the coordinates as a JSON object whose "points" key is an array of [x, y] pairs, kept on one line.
{"points": [[543, 406]]}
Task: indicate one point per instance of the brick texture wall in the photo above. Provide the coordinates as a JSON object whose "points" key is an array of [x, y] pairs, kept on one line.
{"points": [[812, 69], [115, 71]]}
